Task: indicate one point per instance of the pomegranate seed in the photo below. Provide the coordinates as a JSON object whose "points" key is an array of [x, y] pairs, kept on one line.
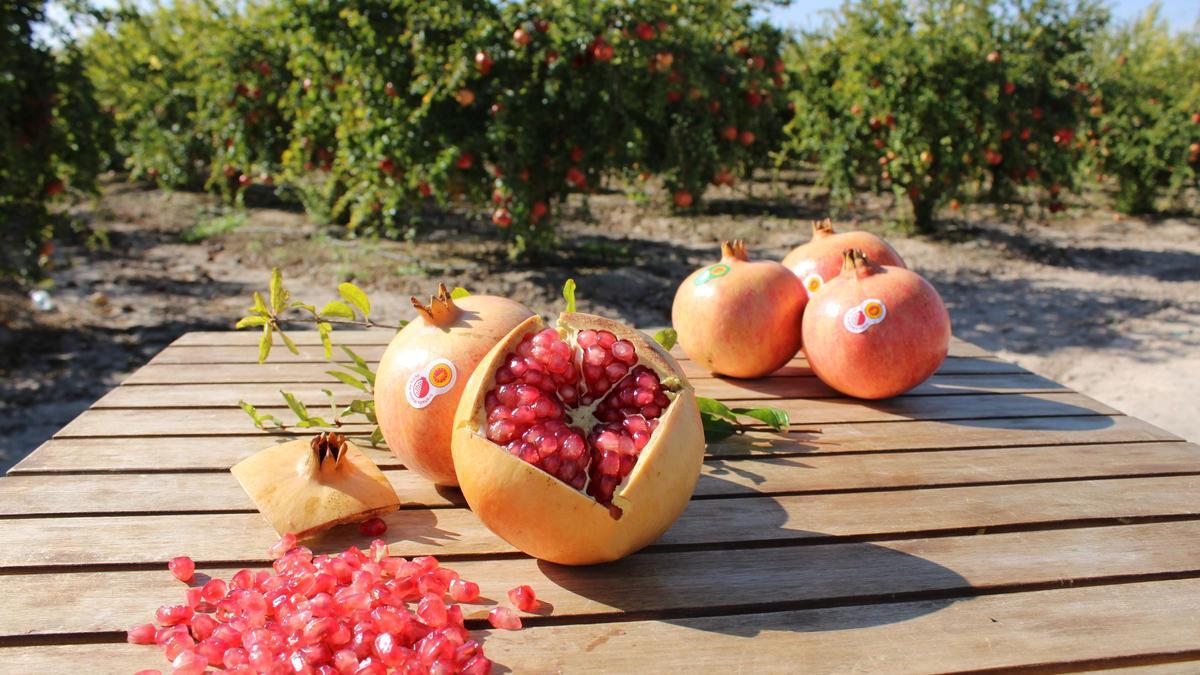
{"points": [[504, 618], [149, 671], [464, 591], [141, 635], [170, 615], [286, 543], [372, 527], [182, 567], [523, 598], [478, 665], [189, 663]]}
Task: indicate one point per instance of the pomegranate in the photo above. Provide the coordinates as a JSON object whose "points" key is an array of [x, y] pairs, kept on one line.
{"points": [[820, 260], [737, 317], [875, 330], [580, 444], [424, 370]]}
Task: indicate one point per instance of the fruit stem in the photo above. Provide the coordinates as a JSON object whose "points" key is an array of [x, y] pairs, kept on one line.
{"points": [[441, 310], [734, 250], [854, 259], [822, 228]]}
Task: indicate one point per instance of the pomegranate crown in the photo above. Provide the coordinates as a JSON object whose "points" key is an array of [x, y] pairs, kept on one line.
{"points": [[855, 261], [735, 250], [441, 309], [822, 228], [329, 444]]}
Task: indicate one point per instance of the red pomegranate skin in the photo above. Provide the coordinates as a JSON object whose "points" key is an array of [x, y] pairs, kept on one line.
{"points": [[822, 255], [739, 318], [889, 357]]}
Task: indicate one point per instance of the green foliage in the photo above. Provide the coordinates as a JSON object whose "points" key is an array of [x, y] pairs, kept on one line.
{"points": [[1145, 111], [52, 136], [721, 421], [213, 226], [927, 97]]}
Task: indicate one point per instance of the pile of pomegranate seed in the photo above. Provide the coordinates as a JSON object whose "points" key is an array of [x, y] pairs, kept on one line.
{"points": [[360, 612], [544, 376]]}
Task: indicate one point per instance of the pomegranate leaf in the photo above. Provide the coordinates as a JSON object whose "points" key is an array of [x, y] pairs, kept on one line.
{"points": [[346, 378], [569, 294], [264, 344], [294, 403], [250, 321], [711, 407], [324, 330], [287, 342], [356, 297], [260, 420], [260, 307], [336, 309], [459, 292], [279, 295], [666, 337], [377, 437], [715, 428], [775, 418]]}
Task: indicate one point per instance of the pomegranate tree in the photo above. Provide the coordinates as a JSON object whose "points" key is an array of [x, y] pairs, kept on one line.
{"points": [[737, 317], [820, 260], [875, 331], [424, 369], [578, 444]]}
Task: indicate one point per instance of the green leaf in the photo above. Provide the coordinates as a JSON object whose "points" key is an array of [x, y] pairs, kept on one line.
{"points": [[715, 429], [314, 422], [279, 295], [259, 419], [400, 326], [459, 292], [360, 365], [347, 378], [259, 307], [775, 418], [250, 321], [324, 329], [311, 309], [294, 403], [336, 309], [714, 408], [287, 341], [264, 344], [356, 297], [377, 437], [569, 294], [666, 337]]}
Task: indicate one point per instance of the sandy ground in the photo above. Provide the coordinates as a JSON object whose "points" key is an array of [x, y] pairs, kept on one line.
{"points": [[1107, 305]]}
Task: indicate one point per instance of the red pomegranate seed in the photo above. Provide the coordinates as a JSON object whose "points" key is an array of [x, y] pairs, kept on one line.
{"points": [[189, 663], [182, 567], [141, 635], [523, 598], [149, 671], [286, 543], [504, 618], [202, 626], [478, 665], [462, 590], [372, 527], [170, 615]]}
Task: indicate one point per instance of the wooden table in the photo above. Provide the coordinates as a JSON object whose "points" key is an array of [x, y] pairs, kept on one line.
{"points": [[990, 519]]}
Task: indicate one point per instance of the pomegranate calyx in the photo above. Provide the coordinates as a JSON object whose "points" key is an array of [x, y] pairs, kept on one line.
{"points": [[822, 228], [854, 259], [441, 310], [328, 445], [734, 250]]}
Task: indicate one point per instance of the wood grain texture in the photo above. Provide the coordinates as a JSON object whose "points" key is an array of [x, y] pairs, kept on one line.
{"points": [[721, 523], [185, 453], [216, 492], [852, 572], [1097, 626]]}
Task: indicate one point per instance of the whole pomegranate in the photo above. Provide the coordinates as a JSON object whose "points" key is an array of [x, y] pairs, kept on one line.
{"points": [[423, 371], [875, 331], [578, 444], [820, 260], [737, 317]]}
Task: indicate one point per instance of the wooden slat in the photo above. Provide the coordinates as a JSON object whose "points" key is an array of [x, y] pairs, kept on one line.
{"points": [[314, 371], [217, 395], [87, 602], [184, 492], [1097, 626], [176, 453], [212, 421], [66, 541]]}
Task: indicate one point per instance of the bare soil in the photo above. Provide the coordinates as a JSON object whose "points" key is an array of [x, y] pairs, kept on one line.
{"points": [[1106, 304]]}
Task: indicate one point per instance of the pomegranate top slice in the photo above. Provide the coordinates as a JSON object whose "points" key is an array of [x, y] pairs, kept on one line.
{"points": [[306, 486], [578, 443]]}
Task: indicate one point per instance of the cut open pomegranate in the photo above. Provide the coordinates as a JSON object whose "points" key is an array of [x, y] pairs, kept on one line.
{"points": [[592, 405]]}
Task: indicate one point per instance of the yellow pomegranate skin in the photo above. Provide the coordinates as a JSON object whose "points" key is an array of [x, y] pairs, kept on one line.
{"points": [[548, 519], [739, 317], [456, 331]]}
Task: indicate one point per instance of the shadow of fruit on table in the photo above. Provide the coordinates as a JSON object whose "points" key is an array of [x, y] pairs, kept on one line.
{"points": [[726, 558]]}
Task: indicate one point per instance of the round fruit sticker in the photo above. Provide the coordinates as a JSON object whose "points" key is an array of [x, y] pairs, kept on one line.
{"points": [[864, 315], [718, 270], [813, 283], [426, 384]]}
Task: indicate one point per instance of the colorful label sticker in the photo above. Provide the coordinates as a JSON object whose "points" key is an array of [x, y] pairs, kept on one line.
{"points": [[718, 270], [868, 313], [813, 283], [425, 385]]}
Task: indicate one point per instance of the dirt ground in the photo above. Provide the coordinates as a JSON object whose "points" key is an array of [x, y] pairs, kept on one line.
{"points": [[1108, 305]]}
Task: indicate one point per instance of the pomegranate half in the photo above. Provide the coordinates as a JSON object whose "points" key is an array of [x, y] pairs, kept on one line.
{"points": [[820, 260], [875, 331], [578, 444], [737, 317], [424, 370]]}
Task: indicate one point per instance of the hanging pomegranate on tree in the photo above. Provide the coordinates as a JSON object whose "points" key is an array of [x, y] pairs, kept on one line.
{"points": [[820, 260], [740, 317], [875, 331]]}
